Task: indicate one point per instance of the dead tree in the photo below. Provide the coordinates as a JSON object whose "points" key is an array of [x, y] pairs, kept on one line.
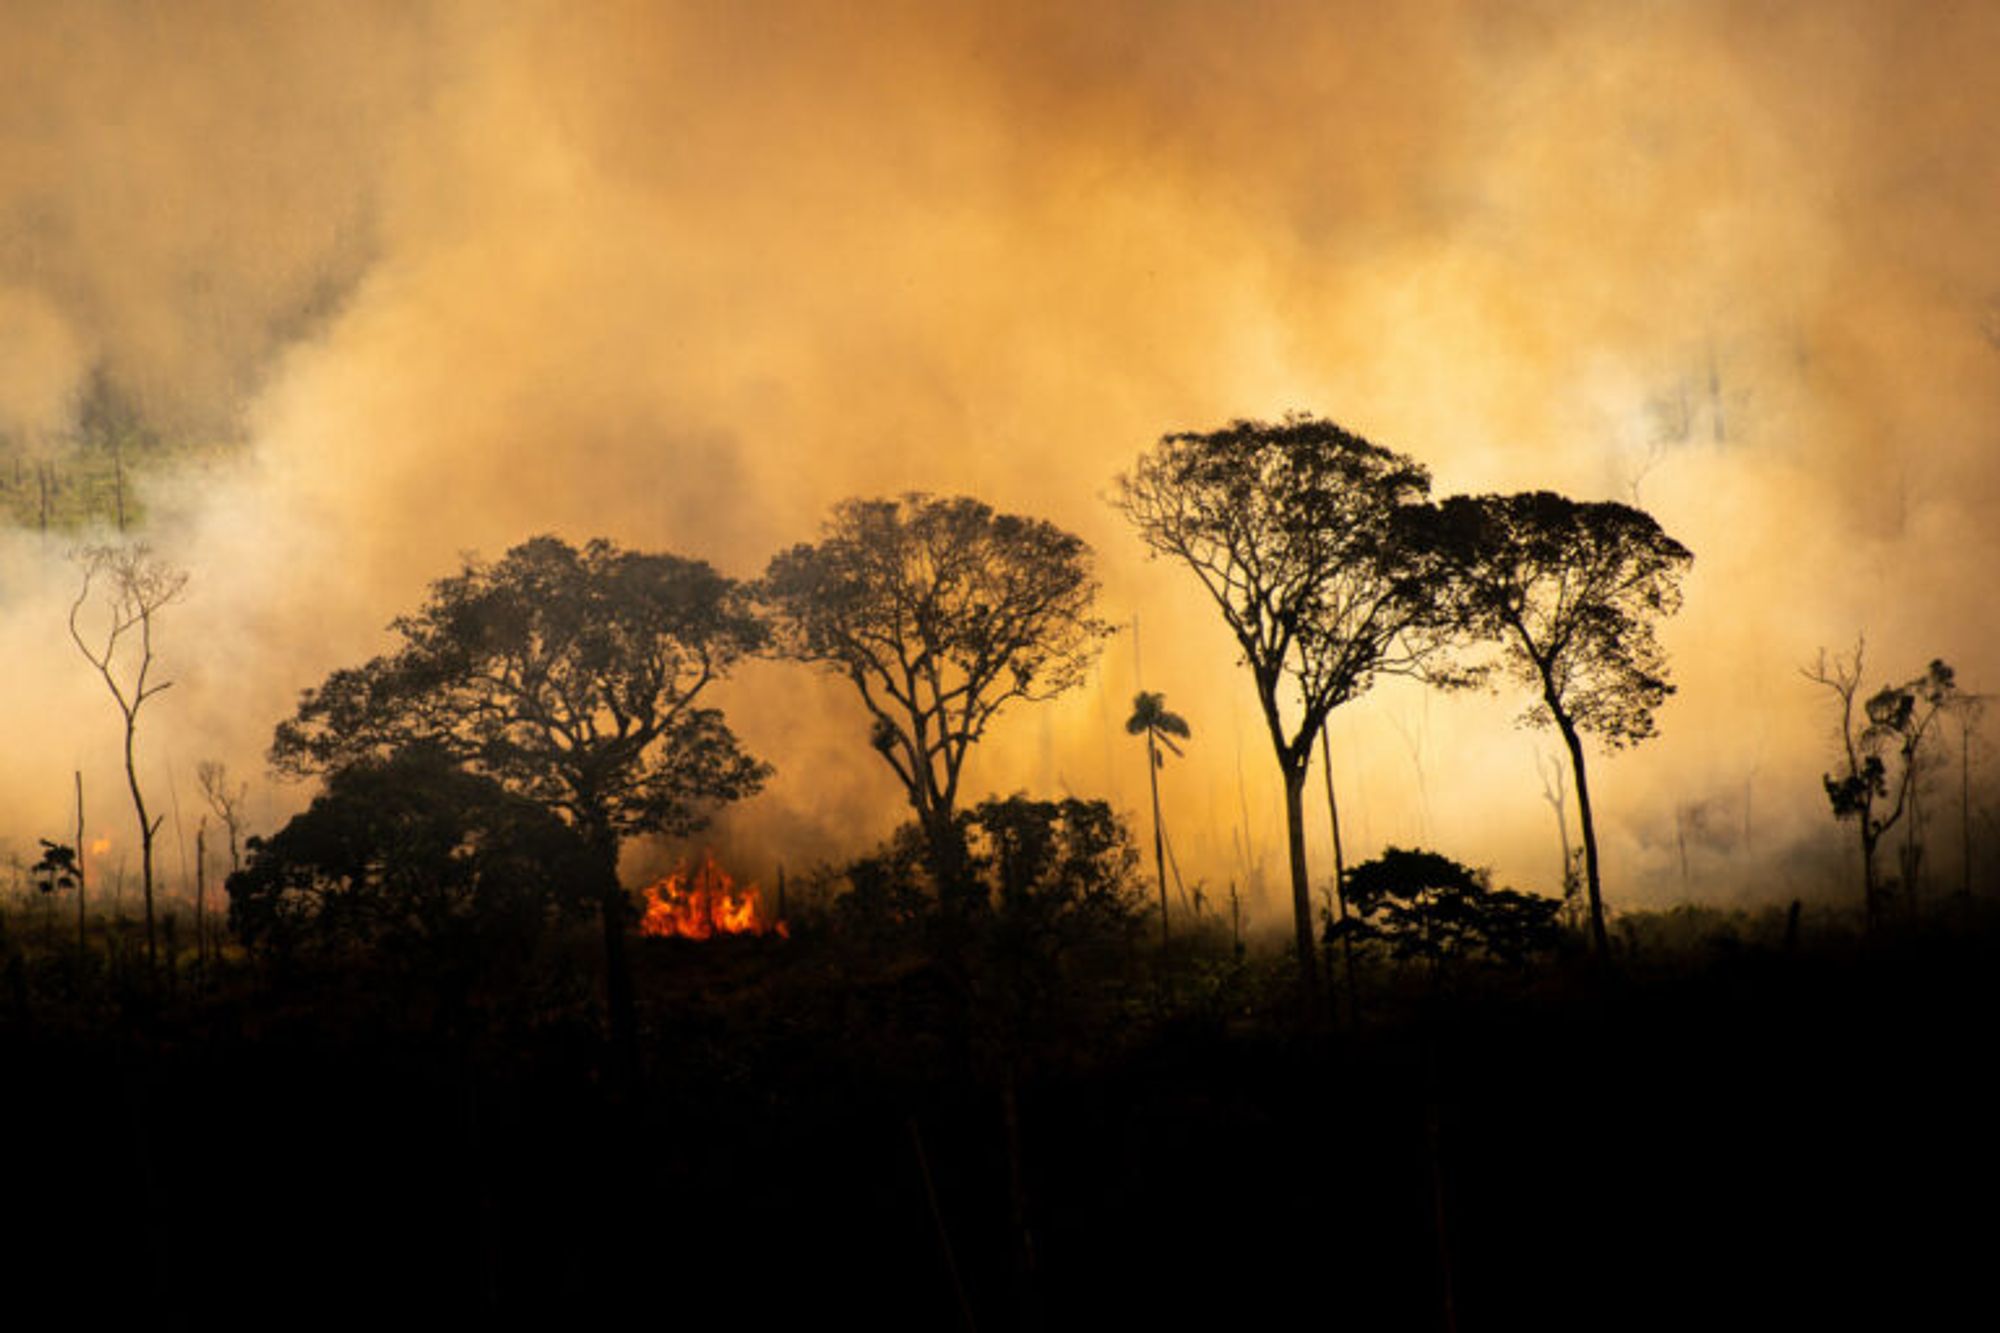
{"points": [[133, 587]]}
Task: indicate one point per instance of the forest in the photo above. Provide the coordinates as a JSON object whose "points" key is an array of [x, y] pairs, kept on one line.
{"points": [[1006, 1069], [1154, 664]]}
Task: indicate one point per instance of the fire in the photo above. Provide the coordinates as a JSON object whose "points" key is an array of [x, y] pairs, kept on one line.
{"points": [[100, 846], [701, 902]]}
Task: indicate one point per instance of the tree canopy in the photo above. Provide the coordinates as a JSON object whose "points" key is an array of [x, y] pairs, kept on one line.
{"points": [[571, 677], [941, 613], [409, 859], [1427, 908]]}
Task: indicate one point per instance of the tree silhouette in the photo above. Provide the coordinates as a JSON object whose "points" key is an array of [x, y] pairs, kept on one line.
{"points": [[1891, 728], [412, 861], [1429, 909], [1151, 719], [1569, 591], [941, 613], [1299, 532], [572, 678], [134, 586]]}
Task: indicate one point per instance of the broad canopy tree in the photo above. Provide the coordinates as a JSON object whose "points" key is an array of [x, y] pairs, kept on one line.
{"points": [[1301, 533], [1569, 591], [573, 678], [941, 613]]}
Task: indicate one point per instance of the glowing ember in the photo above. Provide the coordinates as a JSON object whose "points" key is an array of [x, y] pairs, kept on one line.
{"points": [[702, 902]]}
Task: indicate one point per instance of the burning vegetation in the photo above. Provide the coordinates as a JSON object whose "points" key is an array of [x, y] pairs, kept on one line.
{"points": [[703, 900]]}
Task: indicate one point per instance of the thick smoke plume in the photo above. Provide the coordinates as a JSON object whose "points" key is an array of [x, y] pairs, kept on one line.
{"points": [[435, 278]]}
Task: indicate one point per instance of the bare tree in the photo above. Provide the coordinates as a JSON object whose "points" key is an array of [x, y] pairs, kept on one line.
{"points": [[226, 801], [133, 586], [1555, 792], [1971, 709]]}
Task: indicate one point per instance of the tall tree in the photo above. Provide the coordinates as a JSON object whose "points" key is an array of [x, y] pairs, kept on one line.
{"points": [[1568, 591], [941, 613], [1152, 719], [573, 678], [1890, 729], [1300, 533], [132, 587]]}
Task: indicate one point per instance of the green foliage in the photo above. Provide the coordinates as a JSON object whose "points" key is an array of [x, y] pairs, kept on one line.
{"points": [[409, 859], [1426, 908]]}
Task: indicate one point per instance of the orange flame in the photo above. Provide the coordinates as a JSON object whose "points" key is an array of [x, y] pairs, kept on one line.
{"points": [[701, 902]]}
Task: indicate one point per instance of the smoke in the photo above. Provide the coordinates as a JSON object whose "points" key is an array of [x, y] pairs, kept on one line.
{"points": [[685, 275]]}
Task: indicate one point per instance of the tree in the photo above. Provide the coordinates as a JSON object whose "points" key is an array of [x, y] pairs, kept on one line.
{"points": [[1569, 592], [1428, 909], [572, 678], [412, 861], [1151, 719], [1299, 531], [227, 803], [134, 586], [1893, 724], [941, 613]]}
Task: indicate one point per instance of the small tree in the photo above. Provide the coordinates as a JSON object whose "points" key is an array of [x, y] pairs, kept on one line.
{"points": [[133, 586], [1568, 591], [1300, 533], [1151, 719], [1430, 910], [412, 862], [226, 801], [941, 613], [1891, 729]]}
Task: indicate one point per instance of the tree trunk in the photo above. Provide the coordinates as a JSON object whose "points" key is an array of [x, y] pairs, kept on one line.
{"points": [[1871, 893], [1159, 839], [620, 1010], [1339, 876], [1295, 838], [82, 872], [146, 829], [1965, 805], [201, 901], [1600, 943]]}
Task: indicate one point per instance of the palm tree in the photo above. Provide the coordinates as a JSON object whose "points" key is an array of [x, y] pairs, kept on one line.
{"points": [[1151, 718]]}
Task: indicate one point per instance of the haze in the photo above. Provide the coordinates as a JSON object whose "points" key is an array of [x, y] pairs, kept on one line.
{"points": [[434, 278]]}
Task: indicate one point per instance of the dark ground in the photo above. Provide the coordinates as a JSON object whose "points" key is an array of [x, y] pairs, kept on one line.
{"points": [[1738, 1138]]}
